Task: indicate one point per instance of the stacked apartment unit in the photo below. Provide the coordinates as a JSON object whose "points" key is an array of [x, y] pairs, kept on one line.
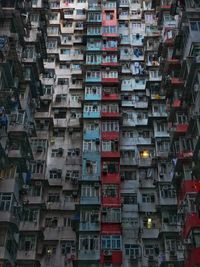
{"points": [[180, 52], [99, 133], [22, 52]]}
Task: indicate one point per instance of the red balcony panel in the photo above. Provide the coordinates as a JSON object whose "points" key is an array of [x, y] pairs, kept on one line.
{"points": [[116, 257], [109, 49], [165, 7], [110, 154], [176, 103], [110, 178], [188, 186], [169, 42], [110, 80], [110, 64], [192, 221], [110, 97], [110, 135], [107, 205], [182, 128], [109, 22], [111, 200], [193, 258], [110, 115], [110, 34], [184, 155], [173, 62], [177, 82], [111, 228]]}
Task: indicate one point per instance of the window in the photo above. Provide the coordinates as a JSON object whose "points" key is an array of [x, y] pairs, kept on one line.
{"points": [[55, 174], [73, 153], [91, 146], [110, 126], [89, 191], [195, 25], [53, 197], [111, 242], [67, 247], [129, 198], [132, 250], [128, 175], [34, 18], [27, 242], [57, 153], [5, 201], [163, 146], [91, 167], [87, 216], [30, 215], [51, 222], [111, 215], [110, 167], [37, 167], [110, 146], [161, 126], [148, 198], [167, 191], [88, 242], [110, 190]]}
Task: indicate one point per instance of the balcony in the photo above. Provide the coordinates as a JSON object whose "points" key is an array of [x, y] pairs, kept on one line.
{"points": [[147, 207], [89, 226], [171, 256], [145, 162], [193, 258], [110, 80], [135, 141], [89, 255], [128, 161], [92, 96], [30, 255], [67, 205], [110, 96], [110, 114], [94, 7], [110, 154], [29, 226], [188, 186], [9, 217], [94, 46], [34, 199], [176, 82], [91, 135], [110, 178], [172, 63], [96, 79], [91, 114], [58, 233], [114, 256], [192, 221], [85, 200], [114, 135], [150, 233], [181, 128]]}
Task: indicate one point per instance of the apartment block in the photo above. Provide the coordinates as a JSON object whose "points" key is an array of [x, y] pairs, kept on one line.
{"points": [[99, 133]]}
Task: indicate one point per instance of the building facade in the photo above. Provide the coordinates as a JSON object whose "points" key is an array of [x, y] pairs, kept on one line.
{"points": [[99, 133]]}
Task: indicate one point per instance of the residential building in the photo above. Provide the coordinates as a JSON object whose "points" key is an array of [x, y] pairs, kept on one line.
{"points": [[99, 133]]}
